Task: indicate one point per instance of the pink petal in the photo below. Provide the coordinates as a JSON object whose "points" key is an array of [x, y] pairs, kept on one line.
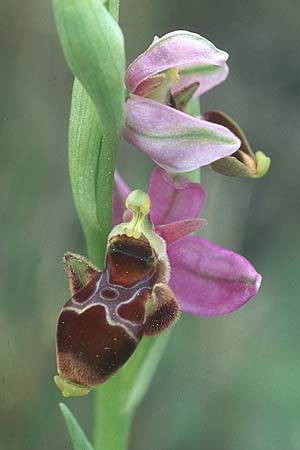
{"points": [[174, 231], [172, 201], [209, 280], [176, 141], [194, 56], [120, 193]]}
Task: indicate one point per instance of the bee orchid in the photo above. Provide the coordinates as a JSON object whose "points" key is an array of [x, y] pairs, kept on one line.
{"points": [[109, 312]]}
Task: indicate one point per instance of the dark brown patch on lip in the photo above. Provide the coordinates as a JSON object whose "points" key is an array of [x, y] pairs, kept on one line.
{"points": [[134, 311], [130, 260], [89, 349]]}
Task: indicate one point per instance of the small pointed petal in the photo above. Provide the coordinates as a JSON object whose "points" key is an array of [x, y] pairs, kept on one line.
{"points": [[173, 201], [196, 59], [176, 141], [120, 193], [222, 118], [209, 280], [243, 163], [174, 231], [80, 271], [238, 165]]}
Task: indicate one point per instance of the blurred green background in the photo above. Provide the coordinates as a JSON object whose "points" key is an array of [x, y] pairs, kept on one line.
{"points": [[227, 383]]}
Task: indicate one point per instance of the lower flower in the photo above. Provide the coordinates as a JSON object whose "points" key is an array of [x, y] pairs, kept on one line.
{"points": [[110, 311], [154, 268]]}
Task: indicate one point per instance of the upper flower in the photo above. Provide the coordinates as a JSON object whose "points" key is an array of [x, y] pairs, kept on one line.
{"points": [[174, 69], [207, 279]]}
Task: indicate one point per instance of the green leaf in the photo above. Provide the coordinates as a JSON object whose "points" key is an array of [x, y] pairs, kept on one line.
{"points": [[79, 439], [93, 45], [94, 49], [91, 166], [85, 142], [113, 7], [85, 136]]}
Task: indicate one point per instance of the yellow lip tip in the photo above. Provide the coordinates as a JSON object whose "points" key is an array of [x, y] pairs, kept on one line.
{"points": [[69, 389]]}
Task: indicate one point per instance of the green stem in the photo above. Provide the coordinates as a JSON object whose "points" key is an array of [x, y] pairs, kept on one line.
{"points": [[94, 243], [194, 176], [112, 425], [194, 109]]}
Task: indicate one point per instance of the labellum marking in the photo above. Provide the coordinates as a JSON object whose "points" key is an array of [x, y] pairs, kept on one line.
{"points": [[88, 324]]}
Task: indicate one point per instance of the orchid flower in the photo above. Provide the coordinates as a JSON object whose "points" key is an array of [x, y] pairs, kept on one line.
{"points": [[176, 68], [207, 280]]}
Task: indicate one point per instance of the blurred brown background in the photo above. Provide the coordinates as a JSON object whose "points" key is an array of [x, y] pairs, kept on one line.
{"points": [[226, 383]]}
